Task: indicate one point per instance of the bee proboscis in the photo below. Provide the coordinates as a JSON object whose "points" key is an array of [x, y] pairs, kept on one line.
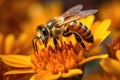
{"points": [[65, 25]]}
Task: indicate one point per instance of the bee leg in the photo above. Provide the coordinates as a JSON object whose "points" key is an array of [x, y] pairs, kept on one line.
{"points": [[55, 42], [78, 38], [34, 43], [45, 43]]}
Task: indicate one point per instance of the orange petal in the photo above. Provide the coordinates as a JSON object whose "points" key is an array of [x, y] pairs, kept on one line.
{"points": [[19, 61]]}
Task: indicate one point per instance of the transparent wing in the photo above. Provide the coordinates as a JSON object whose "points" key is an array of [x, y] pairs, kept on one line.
{"points": [[79, 15], [72, 11]]}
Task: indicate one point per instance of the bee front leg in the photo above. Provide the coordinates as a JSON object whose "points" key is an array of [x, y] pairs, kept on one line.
{"points": [[34, 43], [78, 38]]}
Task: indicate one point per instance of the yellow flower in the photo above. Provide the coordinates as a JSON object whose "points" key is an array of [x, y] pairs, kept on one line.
{"points": [[111, 10], [66, 62], [112, 63], [48, 65]]}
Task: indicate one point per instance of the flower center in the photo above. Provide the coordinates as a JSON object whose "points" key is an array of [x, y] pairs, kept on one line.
{"points": [[63, 59]]}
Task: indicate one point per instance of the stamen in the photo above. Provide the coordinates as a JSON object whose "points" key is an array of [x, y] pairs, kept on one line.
{"points": [[67, 57]]}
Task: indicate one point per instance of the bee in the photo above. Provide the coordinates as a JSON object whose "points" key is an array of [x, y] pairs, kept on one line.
{"points": [[65, 25]]}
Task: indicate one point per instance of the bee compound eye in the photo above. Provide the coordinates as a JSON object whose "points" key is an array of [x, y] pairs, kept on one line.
{"points": [[42, 31], [45, 31]]}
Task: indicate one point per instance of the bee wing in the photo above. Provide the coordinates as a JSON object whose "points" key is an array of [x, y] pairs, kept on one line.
{"points": [[79, 15], [72, 11], [86, 13]]}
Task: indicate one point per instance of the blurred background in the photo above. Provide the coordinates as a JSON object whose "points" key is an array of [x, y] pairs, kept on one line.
{"points": [[19, 19], [14, 14]]}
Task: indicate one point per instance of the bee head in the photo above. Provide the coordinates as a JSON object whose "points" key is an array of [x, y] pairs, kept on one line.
{"points": [[43, 33]]}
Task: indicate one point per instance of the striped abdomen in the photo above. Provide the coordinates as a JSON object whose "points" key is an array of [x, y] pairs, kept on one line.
{"points": [[82, 30]]}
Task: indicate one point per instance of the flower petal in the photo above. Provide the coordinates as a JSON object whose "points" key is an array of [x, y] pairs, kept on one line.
{"points": [[21, 71], [72, 72], [45, 75], [33, 77], [88, 21], [1, 42], [111, 66], [99, 39], [102, 28], [92, 58], [16, 60], [53, 76], [9, 41], [118, 54]]}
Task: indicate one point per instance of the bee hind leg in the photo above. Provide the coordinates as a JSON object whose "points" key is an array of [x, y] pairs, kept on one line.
{"points": [[55, 42], [78, 38]]}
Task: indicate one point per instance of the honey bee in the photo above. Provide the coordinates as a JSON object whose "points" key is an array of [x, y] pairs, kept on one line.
{"points": [[65, 25]]}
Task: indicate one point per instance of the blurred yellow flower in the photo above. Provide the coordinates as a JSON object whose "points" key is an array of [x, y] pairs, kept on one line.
{"points": [[66, 62], [111, 10], [38, 14], [20, 43], [112, 63], [100, 75], [13, 13], [11, 45]]}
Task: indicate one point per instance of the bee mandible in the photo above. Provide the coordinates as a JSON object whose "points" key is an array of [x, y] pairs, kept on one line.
{"points": [[65, 25]]}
